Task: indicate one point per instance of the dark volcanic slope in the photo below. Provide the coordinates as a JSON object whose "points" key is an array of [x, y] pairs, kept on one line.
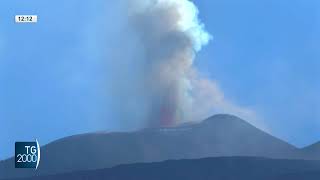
{"points": [[220, 135], [227, 168], [312, 151]]}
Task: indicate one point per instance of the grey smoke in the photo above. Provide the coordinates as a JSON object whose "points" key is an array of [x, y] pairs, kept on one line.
{"points": [[154, 80]]}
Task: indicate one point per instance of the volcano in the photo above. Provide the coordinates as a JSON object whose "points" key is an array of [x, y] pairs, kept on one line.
{"points": [[219, 135]]}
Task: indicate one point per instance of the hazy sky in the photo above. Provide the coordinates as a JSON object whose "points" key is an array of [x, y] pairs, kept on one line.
{"points": [[264, 55]]}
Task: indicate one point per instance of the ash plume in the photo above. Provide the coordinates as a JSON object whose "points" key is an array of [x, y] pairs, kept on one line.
{"points": [[155, 80]]}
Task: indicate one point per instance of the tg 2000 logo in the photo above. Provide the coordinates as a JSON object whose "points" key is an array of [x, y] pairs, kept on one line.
{"points": [[27, 154]]}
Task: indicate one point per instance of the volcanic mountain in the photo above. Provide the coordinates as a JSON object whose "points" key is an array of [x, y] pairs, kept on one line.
{"points": [[219, 135]]}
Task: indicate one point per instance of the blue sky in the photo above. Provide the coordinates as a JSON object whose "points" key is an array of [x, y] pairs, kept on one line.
{"points": [[264, 55]]}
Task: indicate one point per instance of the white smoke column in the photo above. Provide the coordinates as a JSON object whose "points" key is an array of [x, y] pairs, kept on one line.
{"points": [[171, 35], [165, 87]]}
